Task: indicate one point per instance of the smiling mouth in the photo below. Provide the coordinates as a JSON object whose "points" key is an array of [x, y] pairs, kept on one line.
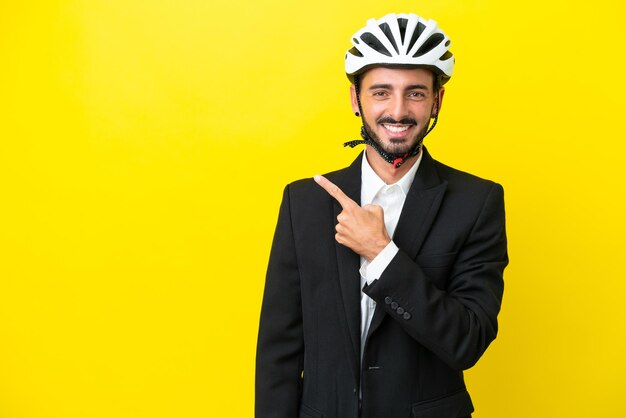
{"points": [[396, 129]]}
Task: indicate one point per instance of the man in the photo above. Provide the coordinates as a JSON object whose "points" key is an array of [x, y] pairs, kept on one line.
{"points": [[385, 278]]}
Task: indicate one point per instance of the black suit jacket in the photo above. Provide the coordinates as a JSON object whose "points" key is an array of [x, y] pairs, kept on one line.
{"points": [[436, 312]]}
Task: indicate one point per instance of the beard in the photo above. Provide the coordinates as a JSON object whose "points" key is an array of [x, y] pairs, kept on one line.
{"points": [[397, 147]]}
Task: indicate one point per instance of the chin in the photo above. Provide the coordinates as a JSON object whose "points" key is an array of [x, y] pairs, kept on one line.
{"points": [[397, 146]]}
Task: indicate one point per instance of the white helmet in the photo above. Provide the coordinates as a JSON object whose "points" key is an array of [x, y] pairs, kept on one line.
{"points": [[400, 40]]}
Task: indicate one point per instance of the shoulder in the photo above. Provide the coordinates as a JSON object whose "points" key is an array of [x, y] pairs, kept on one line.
{"points": [[308, 204], [306, 196], [467, 192], [341, 177], [464, 182]]}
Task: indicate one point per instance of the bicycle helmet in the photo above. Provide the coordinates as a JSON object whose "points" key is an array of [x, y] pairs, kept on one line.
{"points": [[404, 40]]}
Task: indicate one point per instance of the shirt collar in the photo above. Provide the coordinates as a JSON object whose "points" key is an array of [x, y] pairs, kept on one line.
{"points": [[371, 183]]}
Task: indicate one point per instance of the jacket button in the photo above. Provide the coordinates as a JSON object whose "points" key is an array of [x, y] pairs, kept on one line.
{"points": [[406, 316], [400, 310], [388, 300], [394, 305]]}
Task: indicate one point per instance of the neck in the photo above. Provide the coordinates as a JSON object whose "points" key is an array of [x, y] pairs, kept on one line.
{"points": [[387, 172]]}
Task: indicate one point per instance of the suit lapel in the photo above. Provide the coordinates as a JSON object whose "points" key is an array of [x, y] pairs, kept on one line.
{"points": [[418, 213], [349, 180], [420, 207]]}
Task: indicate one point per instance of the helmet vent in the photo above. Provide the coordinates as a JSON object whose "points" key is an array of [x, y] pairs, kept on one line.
{"points": [[416, 34], [355, 52], [402, 25], [387, 31], [429, 45], [446, 56], [374, 43]]}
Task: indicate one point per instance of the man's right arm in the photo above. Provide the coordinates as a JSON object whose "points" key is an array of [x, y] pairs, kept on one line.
{"points": [[280, 346]]}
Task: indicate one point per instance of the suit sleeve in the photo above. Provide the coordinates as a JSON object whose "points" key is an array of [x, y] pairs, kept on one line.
{"points": [[459, 322], [280, 347]]}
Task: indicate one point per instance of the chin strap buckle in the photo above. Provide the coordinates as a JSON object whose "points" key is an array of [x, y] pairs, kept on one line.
{"points": [[400, 160]]}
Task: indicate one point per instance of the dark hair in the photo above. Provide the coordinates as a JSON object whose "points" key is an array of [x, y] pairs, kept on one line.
{"points": [[436, 83]]}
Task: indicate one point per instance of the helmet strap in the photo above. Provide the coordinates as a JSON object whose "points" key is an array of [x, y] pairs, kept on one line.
{"points": [[392, 158]]}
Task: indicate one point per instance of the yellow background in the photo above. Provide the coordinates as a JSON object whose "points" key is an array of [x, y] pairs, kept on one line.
{"points": [[144, 148]]}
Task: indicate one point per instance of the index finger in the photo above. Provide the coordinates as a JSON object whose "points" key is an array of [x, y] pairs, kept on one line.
{"points": [[335, 191]]}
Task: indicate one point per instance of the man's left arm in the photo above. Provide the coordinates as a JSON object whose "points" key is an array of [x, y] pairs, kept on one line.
{"points": [[456, 323], [459, 322]]}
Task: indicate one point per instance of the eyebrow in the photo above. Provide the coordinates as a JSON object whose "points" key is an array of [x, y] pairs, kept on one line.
{"points": [[390, 87]]}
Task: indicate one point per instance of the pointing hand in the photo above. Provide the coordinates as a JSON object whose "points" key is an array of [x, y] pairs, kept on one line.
{"points": [[362, 229]]}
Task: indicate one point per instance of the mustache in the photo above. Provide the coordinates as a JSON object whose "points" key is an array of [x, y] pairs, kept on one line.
{"points": [[389, 120]]}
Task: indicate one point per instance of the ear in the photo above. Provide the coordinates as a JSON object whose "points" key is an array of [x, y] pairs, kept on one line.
{"points": [[438, 102], [355, 104]]}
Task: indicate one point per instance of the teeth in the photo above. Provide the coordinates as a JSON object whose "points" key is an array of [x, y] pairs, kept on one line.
{"points": [[396, 129]]}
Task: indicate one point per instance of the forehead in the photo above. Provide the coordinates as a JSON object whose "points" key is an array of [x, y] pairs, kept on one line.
{"points": [[397, 77]]}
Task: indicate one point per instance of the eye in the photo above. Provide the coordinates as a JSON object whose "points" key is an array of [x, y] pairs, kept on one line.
{"points": [[379, 93], [417, 94]]}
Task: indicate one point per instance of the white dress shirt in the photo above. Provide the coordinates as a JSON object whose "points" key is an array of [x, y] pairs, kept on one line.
{"points": [[391, 197]]}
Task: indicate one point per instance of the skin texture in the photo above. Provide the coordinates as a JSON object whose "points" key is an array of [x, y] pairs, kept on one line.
{"points": [[391, 99]]}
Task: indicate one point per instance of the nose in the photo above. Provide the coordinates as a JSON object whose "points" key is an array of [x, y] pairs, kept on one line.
{"points": [[398, 107]]}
